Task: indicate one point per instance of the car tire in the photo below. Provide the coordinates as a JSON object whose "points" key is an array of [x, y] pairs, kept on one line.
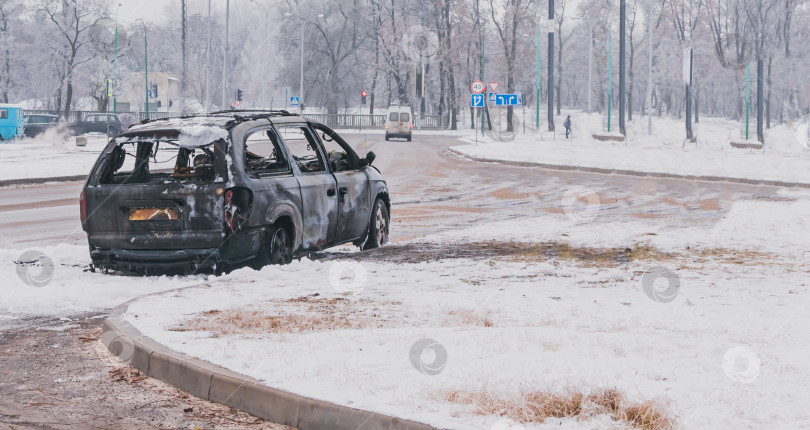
{"points": [[276, 248], [378, 226], [386, 137], [409, 138]]}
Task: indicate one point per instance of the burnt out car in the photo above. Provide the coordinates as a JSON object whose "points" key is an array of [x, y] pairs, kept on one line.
{"points": [[229, 189]]}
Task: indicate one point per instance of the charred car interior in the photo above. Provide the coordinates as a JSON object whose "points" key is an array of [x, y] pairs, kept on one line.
{"points": [[225, 190]]}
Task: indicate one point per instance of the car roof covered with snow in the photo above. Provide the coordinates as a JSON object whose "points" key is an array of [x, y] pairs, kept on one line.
{"points": [[10, 105], [225, 120]]}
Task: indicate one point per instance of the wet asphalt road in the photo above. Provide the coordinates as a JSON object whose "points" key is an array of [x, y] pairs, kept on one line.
{"points": [[55, 375]]}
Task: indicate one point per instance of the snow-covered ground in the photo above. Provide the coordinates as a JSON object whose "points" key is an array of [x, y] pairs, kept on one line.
{"points": [[49, 155], [785, 156], [711, 322]]}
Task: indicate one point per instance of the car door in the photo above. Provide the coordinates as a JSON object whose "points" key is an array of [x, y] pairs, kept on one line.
{"points": [[271, 175], [354, 199], [319, 195]]}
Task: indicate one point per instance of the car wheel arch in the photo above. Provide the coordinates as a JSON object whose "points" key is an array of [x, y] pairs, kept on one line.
{"points": [[284, 213]]}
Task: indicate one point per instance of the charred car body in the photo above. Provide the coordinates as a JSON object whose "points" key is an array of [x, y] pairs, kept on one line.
{"points": [[229, 189]]}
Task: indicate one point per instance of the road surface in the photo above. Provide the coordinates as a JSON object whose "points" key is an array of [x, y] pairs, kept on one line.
{"points": [[54, 375]]}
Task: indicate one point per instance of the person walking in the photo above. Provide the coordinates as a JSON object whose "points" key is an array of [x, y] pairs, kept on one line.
{"points": [[567, 125]]}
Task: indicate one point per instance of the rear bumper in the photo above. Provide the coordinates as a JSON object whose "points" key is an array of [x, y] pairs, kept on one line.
{"points": [[394, 134], [185, 261]]}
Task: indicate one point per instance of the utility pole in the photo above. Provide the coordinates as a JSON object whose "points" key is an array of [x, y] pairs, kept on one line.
{"points": [[146, 72], [537, 101], [301, 83], [590, 64], [115, 72], [622, 48], [225, 58], [610, 74], [184, 84], [207, 61], [550, 66], [760, 98]]}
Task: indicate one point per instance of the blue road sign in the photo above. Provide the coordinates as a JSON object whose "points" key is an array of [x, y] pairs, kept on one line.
{"points": [[476, 100], [492, 96], [508, 100], [294, 101]]}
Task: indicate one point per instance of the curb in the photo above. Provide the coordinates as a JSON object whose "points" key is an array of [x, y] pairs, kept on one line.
{"points": [[607, 171], [25, 181], [220, 385]]}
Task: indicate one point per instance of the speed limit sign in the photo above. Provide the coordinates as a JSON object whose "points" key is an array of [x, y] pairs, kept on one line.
{"points": [[477, 87]]}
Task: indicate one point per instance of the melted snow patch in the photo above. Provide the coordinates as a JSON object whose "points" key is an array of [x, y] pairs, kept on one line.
{"points": [[200, 135]]}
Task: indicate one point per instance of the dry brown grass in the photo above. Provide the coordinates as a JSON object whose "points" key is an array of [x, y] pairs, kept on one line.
{"points": [[535, 406], [313, 313]]}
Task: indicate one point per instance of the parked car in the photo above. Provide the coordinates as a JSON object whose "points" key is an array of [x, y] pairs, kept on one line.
{"points": [[40, 123], [12, 122], [228, 189], [97, 123], [399, 123]]}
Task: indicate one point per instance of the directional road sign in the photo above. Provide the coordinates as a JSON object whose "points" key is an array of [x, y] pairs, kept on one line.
{"points": [[477, 100], [294, 101], [492, 97], [508, 100]]}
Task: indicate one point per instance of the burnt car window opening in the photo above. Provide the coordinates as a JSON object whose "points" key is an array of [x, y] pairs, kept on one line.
{"points": [[393, 117], [157, 162], [404, 117], [338, 152], [303, 148], [263, 154]]}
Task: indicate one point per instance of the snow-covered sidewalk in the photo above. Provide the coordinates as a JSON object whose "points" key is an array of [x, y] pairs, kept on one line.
{"points": [[50, 155], [785, 157], [707, 323]]}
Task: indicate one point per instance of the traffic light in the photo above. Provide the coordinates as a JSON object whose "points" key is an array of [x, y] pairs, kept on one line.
{"points": [[239, 95], [363, 97]]}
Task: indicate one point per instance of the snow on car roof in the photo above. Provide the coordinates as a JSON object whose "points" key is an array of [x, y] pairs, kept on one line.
{"points": [[10, 105]]}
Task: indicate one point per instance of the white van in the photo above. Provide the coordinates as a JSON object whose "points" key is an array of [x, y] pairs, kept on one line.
{"points": [[399, 122]]}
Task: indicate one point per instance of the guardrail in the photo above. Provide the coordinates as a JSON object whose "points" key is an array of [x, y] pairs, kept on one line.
{"points": [[429, 122]]}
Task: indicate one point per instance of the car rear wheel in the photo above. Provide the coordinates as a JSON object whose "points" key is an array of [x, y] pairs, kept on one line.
{"points": [[378, 226], [276, 249]]}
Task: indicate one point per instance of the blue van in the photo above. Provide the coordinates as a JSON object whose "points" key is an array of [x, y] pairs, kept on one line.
{"points": [[12, 121]]}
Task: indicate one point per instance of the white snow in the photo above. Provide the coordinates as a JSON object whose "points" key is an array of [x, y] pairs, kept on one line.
{"points": [[725, 353], [199, 135], [49, 155], [785, 156]]}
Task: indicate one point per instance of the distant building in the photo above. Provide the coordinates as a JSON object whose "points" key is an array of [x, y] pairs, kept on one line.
{"points": [[132, 92]]}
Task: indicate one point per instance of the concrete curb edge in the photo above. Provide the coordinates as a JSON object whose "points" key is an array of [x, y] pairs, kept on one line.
{"points": [[27, 181], [606, 171], [217, 384]]}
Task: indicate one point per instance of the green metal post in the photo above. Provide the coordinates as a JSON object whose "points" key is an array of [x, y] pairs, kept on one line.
{"points": [[537, 107], [146, 70], [747, 95], [610, 75], [483, 109]]}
